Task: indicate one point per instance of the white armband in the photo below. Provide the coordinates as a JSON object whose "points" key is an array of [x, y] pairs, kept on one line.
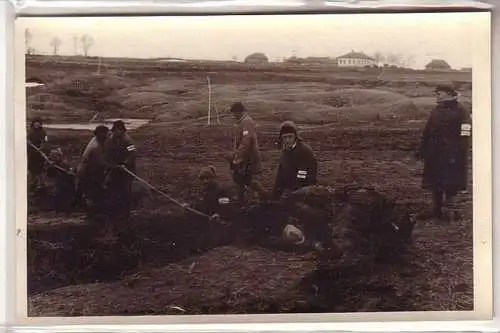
{"points": [[465, 129]]}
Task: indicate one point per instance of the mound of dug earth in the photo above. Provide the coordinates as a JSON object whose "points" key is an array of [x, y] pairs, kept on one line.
{"points": [[224, 280]]}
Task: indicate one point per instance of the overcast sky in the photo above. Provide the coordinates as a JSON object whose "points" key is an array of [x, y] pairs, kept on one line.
{"points": [[423, 36]]}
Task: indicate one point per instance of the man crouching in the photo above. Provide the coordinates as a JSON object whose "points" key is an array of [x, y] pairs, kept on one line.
{"points": [[214, 199]]}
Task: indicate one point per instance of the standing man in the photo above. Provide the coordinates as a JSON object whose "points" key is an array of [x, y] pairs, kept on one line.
{"points": [[37, 137], [91, 170], [119, 152], [246, 162], [298, 166], [444, 149]]}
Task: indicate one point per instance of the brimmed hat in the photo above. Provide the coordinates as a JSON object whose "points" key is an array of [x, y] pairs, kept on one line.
{"points": [[208, 172], [101, 129], [238, 107], [447, 88], [118, 124]]}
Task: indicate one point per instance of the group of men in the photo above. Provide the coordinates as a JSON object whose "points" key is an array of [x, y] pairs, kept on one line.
{"points": [[103, 173], [444, 149], [101, 182]]}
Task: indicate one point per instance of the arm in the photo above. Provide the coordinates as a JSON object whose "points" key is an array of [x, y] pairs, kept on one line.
{"points": [[279, 185], [422, 149], [248, 135], [308, 168], [131, 155]]}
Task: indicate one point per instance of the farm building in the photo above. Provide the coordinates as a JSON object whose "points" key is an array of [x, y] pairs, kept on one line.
{"points": [[355, 59], [438, 65], [257, 58]]}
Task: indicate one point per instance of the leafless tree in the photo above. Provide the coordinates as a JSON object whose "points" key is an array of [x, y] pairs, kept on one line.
{"points": [[87, 41], [55, 43], [27, 41], [410, 61], [394, 59], [379, 58]]}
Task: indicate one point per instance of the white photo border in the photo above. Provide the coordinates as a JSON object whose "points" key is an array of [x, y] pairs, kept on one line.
{"points": [[10, 205]]}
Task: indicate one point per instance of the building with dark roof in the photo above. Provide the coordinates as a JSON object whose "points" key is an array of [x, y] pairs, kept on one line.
{"points": [[355, 59], [438, 65], [257, 58]]}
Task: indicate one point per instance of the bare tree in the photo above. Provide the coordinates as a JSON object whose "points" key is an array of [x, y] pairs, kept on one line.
{"points": [[87, 41], [55, 43], [410, 61], [27, 41], [379, 58], [394, 59]]}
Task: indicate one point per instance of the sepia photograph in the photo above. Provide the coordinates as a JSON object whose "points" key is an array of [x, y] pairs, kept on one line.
{"points": [[254, 164]]}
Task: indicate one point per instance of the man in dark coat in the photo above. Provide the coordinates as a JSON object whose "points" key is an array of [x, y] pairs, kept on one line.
{"points": [[119, 152], [91, 171], [298, 166], [444, 150], [36, 162], [246, 158]]}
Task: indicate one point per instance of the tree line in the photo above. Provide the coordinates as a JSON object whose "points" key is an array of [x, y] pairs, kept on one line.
{"points": [[83, 42]]}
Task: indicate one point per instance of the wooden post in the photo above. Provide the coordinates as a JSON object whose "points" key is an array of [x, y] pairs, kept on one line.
{"points": [[209, 99]]}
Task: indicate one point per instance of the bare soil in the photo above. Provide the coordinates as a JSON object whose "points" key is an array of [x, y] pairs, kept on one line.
{"points": [[165, 261]]}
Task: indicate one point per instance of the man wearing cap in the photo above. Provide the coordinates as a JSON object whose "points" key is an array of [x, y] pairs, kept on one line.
{"points": [[37, 137], [444, 149], [119, 152], [246, 159], [298, 166], [91, 170]]}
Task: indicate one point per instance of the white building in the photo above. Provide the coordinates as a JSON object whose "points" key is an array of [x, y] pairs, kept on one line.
{"points": [[355, 59]]}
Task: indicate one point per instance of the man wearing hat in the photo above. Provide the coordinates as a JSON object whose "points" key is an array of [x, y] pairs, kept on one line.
{"points": [[36, 162], [91, 170], [444, 149], [298, 166], [119, 152], [246, 159]]}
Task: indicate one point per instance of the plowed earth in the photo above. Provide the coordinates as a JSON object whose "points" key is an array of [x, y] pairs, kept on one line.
{"points": [[165, 261]]}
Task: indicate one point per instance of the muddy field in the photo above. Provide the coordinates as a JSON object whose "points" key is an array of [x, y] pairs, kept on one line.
{"points": [[164, 261]]}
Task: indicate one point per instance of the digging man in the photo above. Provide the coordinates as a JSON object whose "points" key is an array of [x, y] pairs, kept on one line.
{"points": [[246, 159], [36, 162], [119, 153], [444, 149], [91, 171], [298, 166]]}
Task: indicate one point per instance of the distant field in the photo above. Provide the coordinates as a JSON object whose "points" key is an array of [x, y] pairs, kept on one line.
{"points": [[364, 126]]}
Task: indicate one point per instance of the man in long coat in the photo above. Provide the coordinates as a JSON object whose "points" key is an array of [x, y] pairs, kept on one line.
{"points": [[246, 161], [119, 152], [444, 149], [298, 166]]}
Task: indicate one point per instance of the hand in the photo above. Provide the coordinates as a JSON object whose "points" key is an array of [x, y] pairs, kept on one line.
{"points": [[214, 218]]}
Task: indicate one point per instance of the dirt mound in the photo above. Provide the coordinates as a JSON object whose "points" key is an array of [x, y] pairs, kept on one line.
{"points": [[223, 280]]}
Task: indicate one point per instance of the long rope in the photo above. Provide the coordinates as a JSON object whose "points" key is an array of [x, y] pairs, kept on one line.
{"points": [[192, 210], [46, 158], [131, 174]]}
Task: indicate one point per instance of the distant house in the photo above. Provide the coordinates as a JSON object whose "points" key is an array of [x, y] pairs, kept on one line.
{"points": [[355, 59], [257, 58], [438, 65]]}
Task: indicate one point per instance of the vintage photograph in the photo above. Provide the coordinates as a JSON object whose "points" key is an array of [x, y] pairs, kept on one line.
{"points": [[251, 164]]}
